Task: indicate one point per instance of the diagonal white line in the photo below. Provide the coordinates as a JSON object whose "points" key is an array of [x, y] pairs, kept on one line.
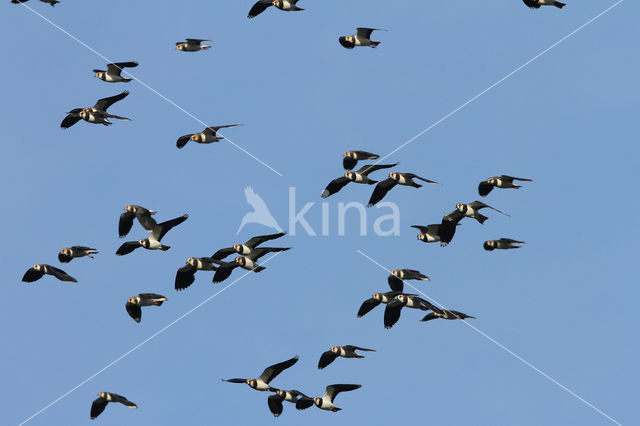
{"points": [[497, 83], [77, 40], [503, 347], [138, 346]]}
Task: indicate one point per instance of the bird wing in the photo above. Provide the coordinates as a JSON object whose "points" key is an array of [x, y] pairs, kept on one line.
{"points": [[185, 277], [224, 271], [326, 358], [105, 103], [412, 274], [425, 229], [134, 311], [304, 403], [510, 241], [261, 251], [161, 229], [98, 407], [195, 40], [259, 7], [127, 248], [256, 241], [116, 67], [333, 390], [222, 253], [213, 130], [367, 306], [414, 176], [370, 168], [125, 223], [484, 188], [64, 258], [70, 120], [122, 400], [32, 275], [365, 32], [83, 248], [182, 140], [61, 275], [275, 404], [512, 178], [395, 283], [477, 205], [392, 313], [153, 296], [381, 190], [454, 216], [272, 371], [145, 219], [430, 316], [353, 348], [335, 186], [349, 163]]}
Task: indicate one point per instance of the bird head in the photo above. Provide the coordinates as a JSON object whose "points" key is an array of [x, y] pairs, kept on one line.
{"points": [[460, 207], [38, 267], [395, 273], [252, 383], [492, 180], [237, 247], [335, 349], [489, 245], [422, 237], [144, 243], [317, 401], [350, 175], [240, 260], [192, 261]]}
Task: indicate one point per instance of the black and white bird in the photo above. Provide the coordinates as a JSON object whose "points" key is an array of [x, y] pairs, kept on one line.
{"points": [[375, 300], [397, 277], [502, 181], [97, 114], [40, 269], [246, 247], [248, 261], [132, 212], [134, 304], [445, 314], [51, 2], [359, 176], [208, 135], [153, 242], [112, 74], [262, 5], [393, 309], [406, 179], [502, 244], [361, 38], [443, 232], [347, 351], [269, 373], [535, 4], [472, 210], [186, 275], [104, 398], [70, 253], [351, 158], [192, 45], [275, 401], [326, 401]]}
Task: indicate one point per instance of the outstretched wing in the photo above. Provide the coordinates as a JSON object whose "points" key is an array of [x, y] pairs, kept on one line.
{"points": [[70, 120], [484, 188], [381, 190], [367, 306], [224, 271], [125, 223], [477, 205], [333, 390], [32, 275], [353, 348], [335, 186], [275, 404], [185, 277], [98, 407], [182, 140], [365, 32], [256, 241], [272, 371], [60, 274], [507, 177], [105, 103], [161, 229], [370, 168], [326, 358], [222, 253], [134, 311], [304, 403], [127, 248], [392, 313], [259, 7], [395, 283]]}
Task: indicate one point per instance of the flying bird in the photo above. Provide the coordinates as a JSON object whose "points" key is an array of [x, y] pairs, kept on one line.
{"points": [[69, 253], [104, 398], [275, 401], [375, 300], [248, 261], [472, 210], [502, 244], [51, 2], [187, 274], [246, 247], [97, 114], [445, 314], [503, 181], [351, 158], [40, 269], [153, 241], [260, 214], [397, 277], [143, 299], [535, 4], [326, 401], [393, 309], [347, 351], [406, 179], [208, 135], [443, 231], [192, 45], [359, 176], [270, 373], [135, 212], [361, 38], [112, 74], [262, 5]]}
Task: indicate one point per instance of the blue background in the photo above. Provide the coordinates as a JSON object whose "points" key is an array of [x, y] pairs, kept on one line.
{"points": [[566, 302]]}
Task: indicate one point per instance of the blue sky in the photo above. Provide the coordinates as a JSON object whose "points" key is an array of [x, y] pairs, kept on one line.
{"points": [[565, 302]]}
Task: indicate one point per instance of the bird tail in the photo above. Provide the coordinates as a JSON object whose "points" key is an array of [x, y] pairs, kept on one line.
{"points": [[374, 43], [259, 269], [559, 5], [416, 185], [126, 80], [158, 302], [165, 248], [481, 218], [359, 356]]}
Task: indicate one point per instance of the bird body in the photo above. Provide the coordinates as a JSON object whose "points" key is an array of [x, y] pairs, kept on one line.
{"points": [[96, 114], [326, 401], [275, 401], [143, 299], [472, 210], [397, 277], [348, 351], [41, 269], [361, 38], [445, 314], [270, 373], [153, 242], [351, 158], [502, 244], [112, 73], [262, 5], [502, 181], [192, 45], [70, 253], [535, 4], [104, 398]]}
